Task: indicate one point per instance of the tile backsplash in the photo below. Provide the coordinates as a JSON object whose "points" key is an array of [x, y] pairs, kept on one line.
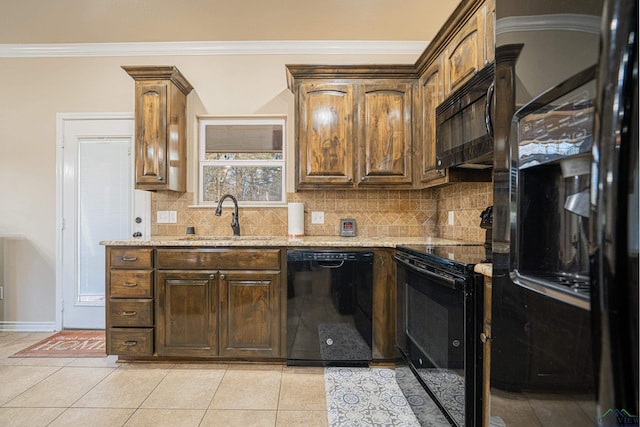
{"points": [[385, 213], [466, 201]]}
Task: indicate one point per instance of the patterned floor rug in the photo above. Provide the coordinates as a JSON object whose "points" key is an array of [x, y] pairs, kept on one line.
{"points": [[68, 344], [359, 397]]}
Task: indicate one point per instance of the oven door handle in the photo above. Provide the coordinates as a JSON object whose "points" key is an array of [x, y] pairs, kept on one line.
{"points": [[441, 280]]}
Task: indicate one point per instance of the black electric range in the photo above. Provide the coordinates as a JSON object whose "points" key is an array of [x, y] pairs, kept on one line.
{"points": [[457, 259], [439, 311]]}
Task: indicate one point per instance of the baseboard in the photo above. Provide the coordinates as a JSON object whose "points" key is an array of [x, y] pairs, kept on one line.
{"points": [[27, 326]]}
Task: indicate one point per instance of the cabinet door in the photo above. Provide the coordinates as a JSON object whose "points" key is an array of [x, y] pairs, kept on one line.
{"points": [[490, 32], [464, 54], [432, 94], [151, 135], [385, 133], [187, 313], [325, 135], [249, 313]]}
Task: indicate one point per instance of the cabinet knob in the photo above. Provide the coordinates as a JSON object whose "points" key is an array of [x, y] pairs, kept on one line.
{"points": [[212, 277], [363, 178], [222, 277], [484, 337], [159, 178], [350, 179]]}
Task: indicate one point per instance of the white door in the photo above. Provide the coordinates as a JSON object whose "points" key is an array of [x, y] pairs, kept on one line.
{"points": [[98, 203]]}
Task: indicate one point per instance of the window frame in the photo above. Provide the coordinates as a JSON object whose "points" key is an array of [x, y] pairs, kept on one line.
{"points": [[204, 121]]}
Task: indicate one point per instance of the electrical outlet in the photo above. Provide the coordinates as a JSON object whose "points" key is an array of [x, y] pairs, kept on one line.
{"points": [[162, 217], [451, 219], [317, 217], [1, 292], [173, 217]]}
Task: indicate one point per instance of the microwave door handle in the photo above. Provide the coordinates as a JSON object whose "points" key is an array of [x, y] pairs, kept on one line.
{"points": [[487, 110]]}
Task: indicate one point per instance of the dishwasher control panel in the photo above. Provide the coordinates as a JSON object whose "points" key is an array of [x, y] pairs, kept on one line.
{"points": [[319, 255]]}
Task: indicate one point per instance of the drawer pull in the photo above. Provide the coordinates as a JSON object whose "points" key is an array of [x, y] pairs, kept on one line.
{"points": [[128, 313], [130, 343], [127, 258], [129, 285]]}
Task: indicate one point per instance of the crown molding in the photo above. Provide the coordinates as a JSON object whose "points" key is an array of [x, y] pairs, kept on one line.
{"points": [[556, 22], [277, 47]]}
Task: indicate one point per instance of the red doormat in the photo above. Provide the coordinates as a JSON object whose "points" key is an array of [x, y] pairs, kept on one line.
{"points": [[68, 344]]}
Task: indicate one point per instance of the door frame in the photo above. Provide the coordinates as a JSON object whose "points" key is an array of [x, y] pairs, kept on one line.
{"points": [[61, 118]]}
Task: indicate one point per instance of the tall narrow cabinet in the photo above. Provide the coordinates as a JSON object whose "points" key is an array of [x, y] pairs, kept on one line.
{"points": [[160, 123]]}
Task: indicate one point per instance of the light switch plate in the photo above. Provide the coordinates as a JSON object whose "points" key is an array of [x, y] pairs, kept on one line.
{"points": [[173, 217], [451, 219], [317, 217]]}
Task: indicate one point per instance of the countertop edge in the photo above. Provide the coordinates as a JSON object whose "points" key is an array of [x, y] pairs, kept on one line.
{"points": [[284, 241], [486, 269]]}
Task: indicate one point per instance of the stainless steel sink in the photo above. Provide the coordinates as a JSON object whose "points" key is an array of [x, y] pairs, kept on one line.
{"points": [[230, 238]]}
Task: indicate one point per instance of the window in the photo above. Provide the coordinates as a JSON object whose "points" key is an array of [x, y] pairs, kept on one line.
{"points": [[243, 157]]}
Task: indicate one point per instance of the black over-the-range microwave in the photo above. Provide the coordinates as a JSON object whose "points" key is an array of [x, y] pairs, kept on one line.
{"points": [[464, 133]]}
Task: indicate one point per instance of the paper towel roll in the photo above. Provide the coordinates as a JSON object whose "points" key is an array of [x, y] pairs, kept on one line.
{"points": [[296, 219]]}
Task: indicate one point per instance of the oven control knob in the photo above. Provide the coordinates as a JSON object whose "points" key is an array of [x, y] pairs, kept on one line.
{"points": [[329, 341], [456, 343]]}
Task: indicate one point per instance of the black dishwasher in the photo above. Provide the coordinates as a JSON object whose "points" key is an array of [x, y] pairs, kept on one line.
{"points": [[329, 303]]}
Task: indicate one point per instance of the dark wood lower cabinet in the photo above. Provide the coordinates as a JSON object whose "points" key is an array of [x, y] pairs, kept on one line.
{"points": [[217, 307], [249, 313], [187, 313]]}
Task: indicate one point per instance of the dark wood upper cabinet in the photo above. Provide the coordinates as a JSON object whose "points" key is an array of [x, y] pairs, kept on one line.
{"points": [[353, 125], [325, 134], [385, 133], [464, 55], [374, 126], [432, 94], [160, 127]]}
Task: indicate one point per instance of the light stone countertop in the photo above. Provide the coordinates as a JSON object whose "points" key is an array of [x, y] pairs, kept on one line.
{"points": [[280, 241], [485, 269]]}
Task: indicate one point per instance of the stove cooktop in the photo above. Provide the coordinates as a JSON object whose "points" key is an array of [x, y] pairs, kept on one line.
{"points": [[460, 257]]}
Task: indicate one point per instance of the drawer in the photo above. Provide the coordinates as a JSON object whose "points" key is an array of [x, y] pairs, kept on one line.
{"points": [[131, 283], [130, 257], [218, 258], [131, 341], [131, 312]]}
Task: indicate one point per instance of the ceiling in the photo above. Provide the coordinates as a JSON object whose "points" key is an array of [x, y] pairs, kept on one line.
{"points": [[110, 21]]}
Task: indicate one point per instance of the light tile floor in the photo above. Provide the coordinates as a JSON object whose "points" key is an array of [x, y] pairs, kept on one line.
{"points": [[101, 392]]}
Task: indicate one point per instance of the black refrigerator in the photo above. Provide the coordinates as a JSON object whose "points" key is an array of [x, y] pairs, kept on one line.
{"points": [[564, 323], [614, 218]]}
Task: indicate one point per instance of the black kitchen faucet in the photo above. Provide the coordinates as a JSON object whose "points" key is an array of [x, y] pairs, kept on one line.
{"points": [[235, 224]]}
